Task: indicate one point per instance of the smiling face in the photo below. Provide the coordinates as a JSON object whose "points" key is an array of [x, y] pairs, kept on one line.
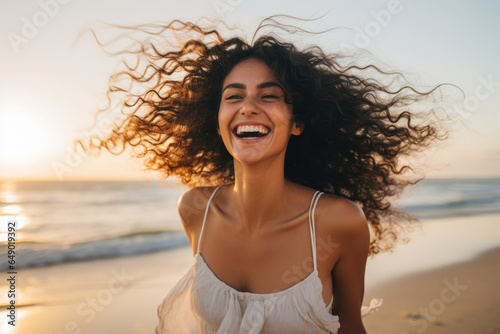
{"points": [[255, 122]]}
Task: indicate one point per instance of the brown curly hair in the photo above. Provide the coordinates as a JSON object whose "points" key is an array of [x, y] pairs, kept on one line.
{"points": [[355, 127]]}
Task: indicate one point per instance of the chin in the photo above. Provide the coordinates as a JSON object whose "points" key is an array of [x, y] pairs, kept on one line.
{"points": [[248, 159]]}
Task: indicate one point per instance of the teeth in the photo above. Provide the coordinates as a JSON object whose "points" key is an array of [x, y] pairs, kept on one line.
{"points": [[252, 128]]}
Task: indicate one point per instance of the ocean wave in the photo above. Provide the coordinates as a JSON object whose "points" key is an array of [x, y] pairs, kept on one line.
{"points": [[37, 254], [452, 198]]}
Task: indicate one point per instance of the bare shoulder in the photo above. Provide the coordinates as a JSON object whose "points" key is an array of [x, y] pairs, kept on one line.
{"points": [[342, 218], [191, 208], [192, 204]]}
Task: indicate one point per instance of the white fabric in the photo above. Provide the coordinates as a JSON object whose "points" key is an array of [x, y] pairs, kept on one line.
{"points": [[201, 303]]}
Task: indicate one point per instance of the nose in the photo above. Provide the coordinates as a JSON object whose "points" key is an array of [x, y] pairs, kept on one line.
{"points": [[250, 107]]}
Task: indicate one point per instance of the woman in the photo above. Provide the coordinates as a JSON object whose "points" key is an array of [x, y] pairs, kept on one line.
{"points": [[298, 155]]}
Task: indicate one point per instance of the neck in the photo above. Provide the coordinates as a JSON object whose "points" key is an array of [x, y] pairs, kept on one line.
{"points": [[259, 193]]}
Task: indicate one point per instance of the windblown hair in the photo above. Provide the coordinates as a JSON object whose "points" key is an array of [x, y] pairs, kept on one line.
{"points": [[356, 128]]}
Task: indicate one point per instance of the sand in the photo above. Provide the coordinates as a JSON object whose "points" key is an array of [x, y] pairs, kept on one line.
{"points": [[461, 298], [120, 295]]}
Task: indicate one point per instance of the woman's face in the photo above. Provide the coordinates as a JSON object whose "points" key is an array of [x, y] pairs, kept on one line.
{"points": [[255, 122]]}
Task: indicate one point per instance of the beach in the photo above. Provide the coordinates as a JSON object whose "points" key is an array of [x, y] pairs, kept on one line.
{"points": [[438, 293], [108, 117], [462, 299]]}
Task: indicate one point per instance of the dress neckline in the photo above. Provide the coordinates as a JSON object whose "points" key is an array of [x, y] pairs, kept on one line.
{"points": [[252, 295], [311, 275]]}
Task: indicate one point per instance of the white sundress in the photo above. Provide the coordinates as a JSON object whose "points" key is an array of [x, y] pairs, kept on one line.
{"points": [[201, 303]]}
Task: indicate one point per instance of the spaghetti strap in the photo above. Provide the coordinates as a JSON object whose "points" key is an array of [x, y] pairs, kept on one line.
{"points": [[202, 303], [205, 217], [312, 228]]}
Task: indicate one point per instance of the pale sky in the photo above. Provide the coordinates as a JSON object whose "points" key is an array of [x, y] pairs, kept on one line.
{"points": [[50, 86]]}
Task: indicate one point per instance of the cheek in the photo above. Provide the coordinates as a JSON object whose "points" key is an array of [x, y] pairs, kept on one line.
{"points": [[283, 120], [224, 119]]}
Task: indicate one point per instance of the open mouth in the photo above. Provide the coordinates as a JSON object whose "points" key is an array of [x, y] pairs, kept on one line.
{"points": [[251, 131]]}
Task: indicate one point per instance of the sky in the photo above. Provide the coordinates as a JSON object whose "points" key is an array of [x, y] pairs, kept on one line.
{"points": [[53, 77]]}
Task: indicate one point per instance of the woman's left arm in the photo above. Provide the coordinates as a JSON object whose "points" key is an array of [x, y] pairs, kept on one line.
{"points": [[348, 274]]}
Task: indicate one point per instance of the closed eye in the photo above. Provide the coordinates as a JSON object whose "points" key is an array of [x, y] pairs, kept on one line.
{"points": [[233, 97], [270, 96]]}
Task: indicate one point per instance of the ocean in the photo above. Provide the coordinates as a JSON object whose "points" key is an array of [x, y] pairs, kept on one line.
{"points": [[58, 222]]}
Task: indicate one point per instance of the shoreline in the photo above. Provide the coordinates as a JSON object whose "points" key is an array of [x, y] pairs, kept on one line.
{"points": [[436, 244]]}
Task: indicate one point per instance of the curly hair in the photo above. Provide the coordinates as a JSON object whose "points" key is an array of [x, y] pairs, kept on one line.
{"points": [[356, 128]]}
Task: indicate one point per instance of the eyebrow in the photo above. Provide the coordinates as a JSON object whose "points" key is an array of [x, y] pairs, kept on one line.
{"points": [[265, 84]]}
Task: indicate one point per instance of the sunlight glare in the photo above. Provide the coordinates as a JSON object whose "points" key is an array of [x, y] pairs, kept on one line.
{"points": [[11, 214], [22, 140], [11, 210]]}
